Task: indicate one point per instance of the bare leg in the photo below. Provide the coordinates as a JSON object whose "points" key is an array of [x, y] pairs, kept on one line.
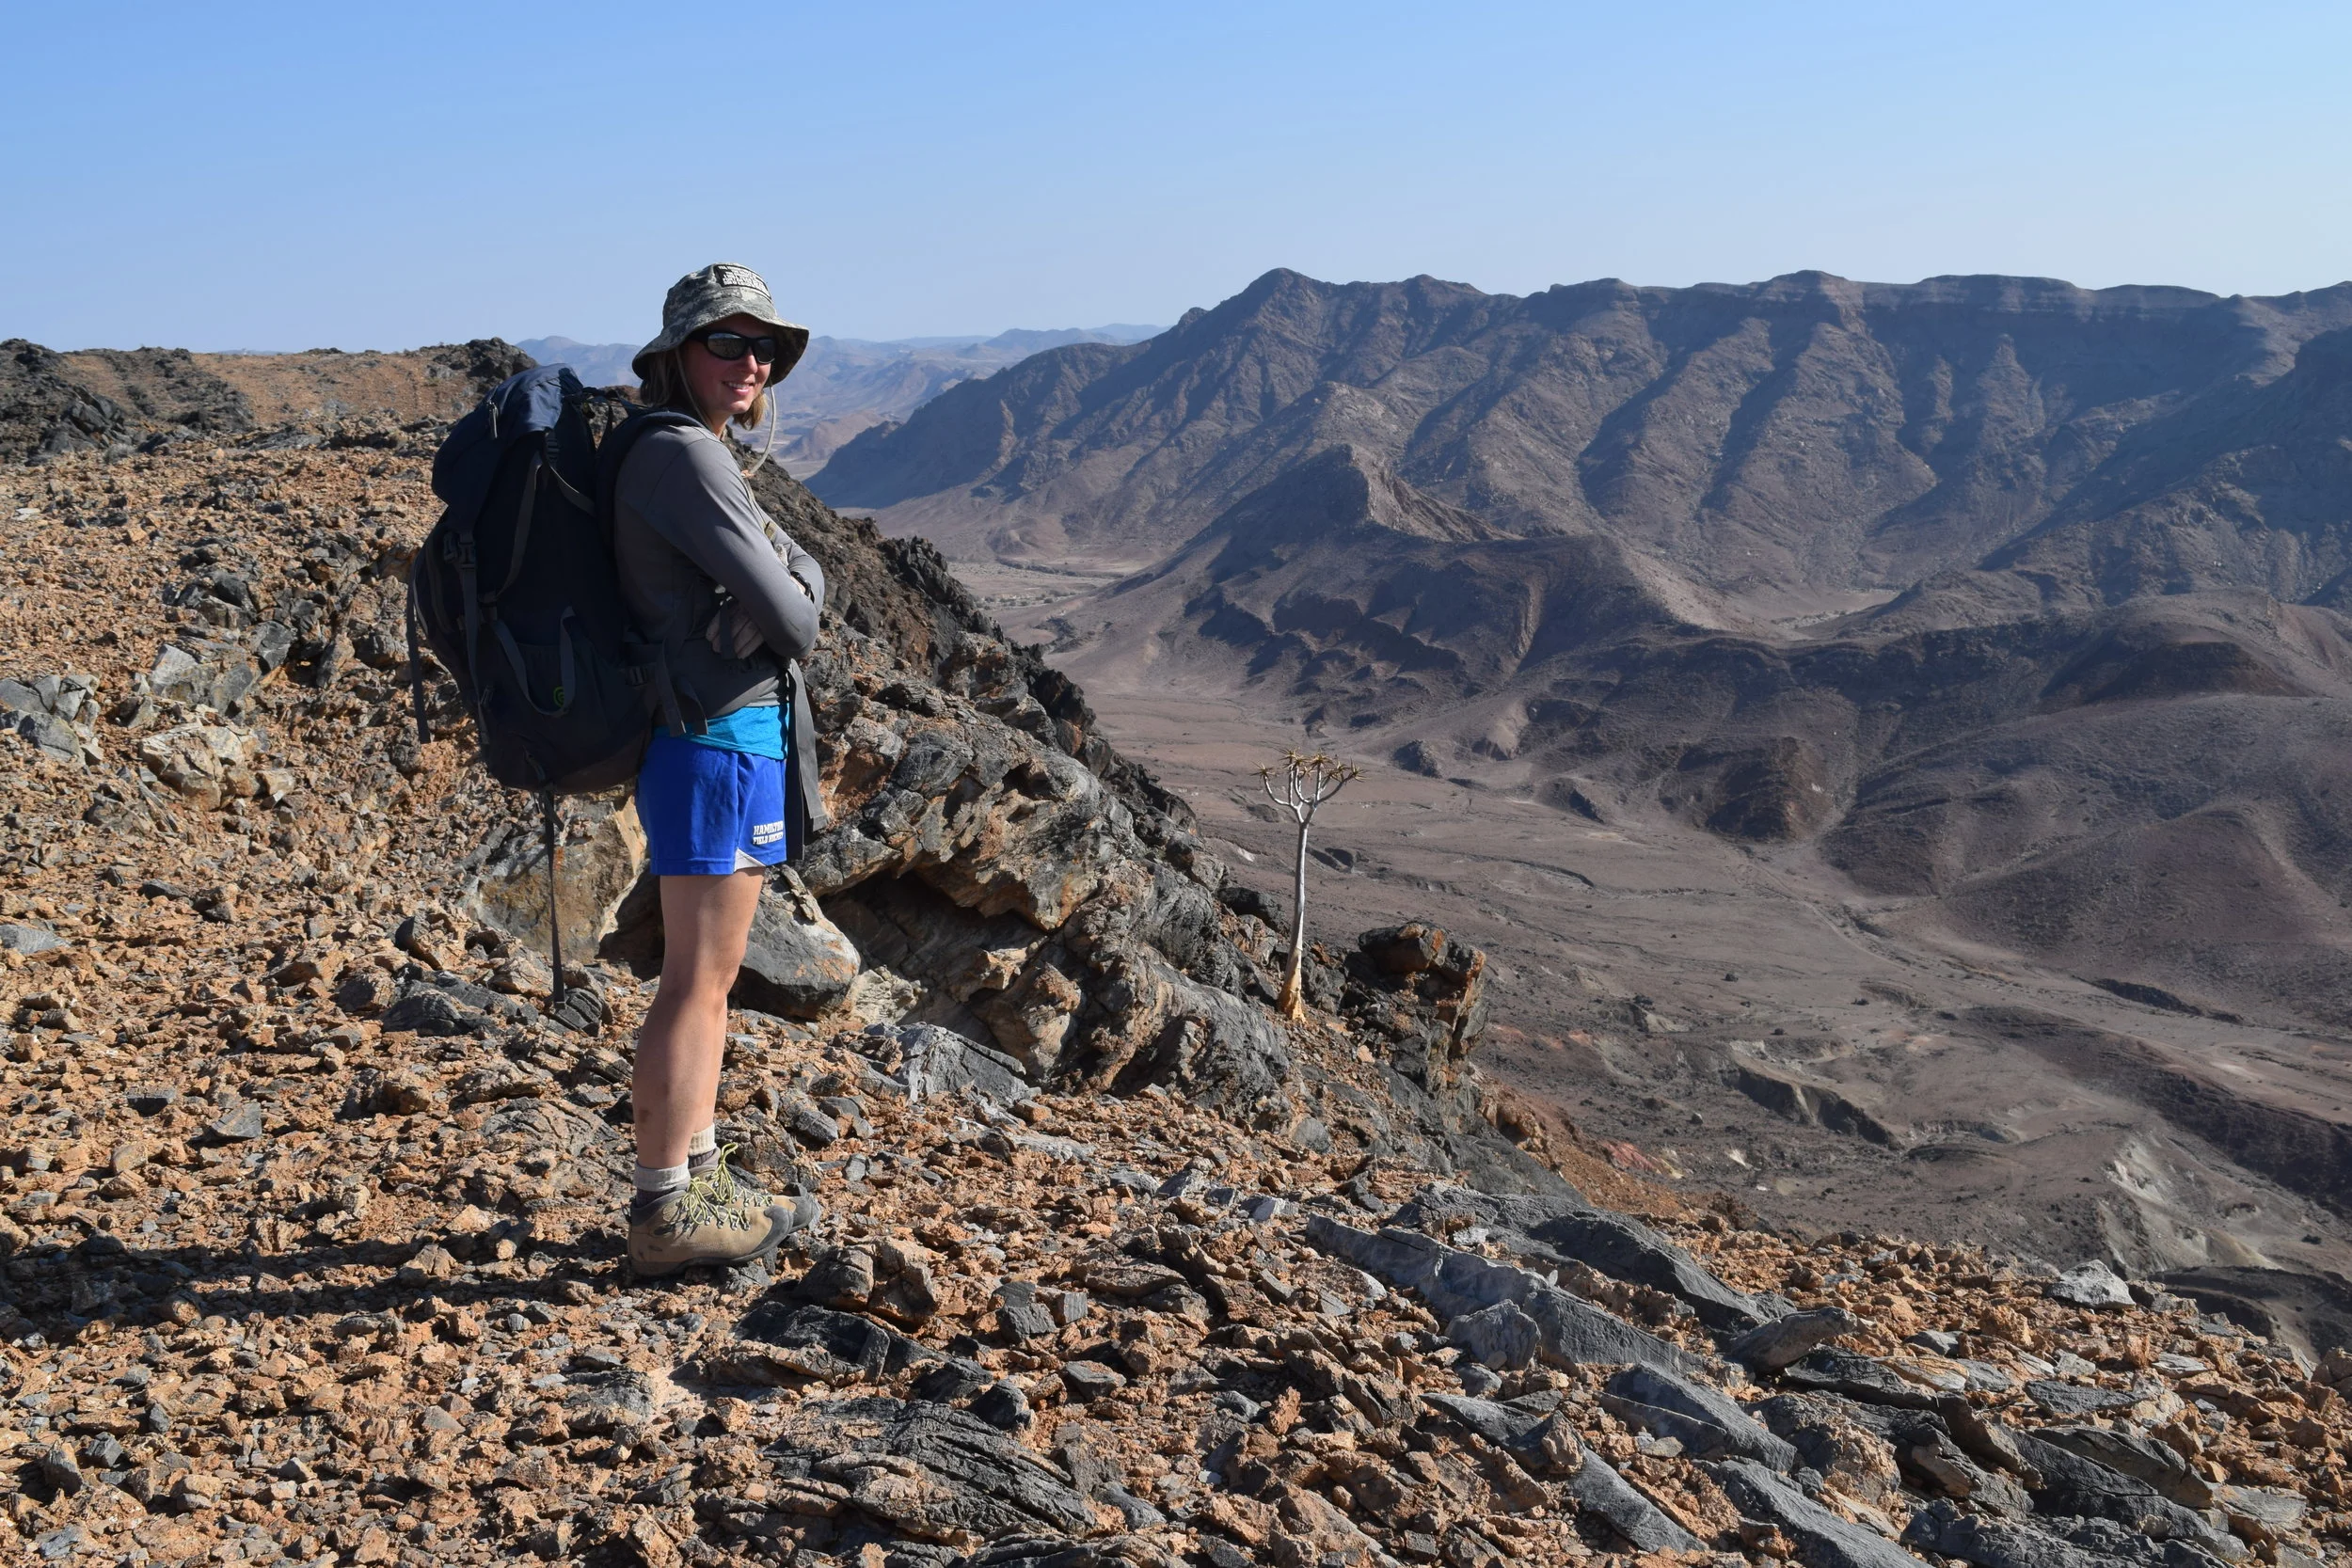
{"points": [[675, 1088]]}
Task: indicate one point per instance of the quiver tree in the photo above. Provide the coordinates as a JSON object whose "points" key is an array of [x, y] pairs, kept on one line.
{"points": [[1298, 784]]}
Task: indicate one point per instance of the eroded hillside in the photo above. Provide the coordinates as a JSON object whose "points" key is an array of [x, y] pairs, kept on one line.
{"points": [[1984, 628], [312, 1250], [1783, 443], [1786, 562]]}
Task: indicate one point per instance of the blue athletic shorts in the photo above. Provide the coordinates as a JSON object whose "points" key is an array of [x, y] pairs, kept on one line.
{"points": [[709, 812]]}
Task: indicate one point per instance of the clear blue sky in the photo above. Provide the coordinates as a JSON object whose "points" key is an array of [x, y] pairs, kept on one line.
{"points": [[224, 176]]}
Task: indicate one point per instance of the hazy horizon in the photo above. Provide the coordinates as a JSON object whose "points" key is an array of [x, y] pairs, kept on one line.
{"points": [[1138, 331], [528, 338]]}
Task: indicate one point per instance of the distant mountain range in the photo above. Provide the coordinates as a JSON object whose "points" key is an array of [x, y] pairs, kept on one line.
{"points": [[846, 385], [1803, 436], [2018, 602]]}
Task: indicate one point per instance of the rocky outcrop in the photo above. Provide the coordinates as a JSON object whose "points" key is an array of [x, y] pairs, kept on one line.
{"points": [[116, 402], [602, 859], [51, 714], [43, 412]]}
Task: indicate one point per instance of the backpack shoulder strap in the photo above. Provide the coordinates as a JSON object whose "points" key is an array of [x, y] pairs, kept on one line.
{"points": [[615, 449], [558, 442], [681, 714]]}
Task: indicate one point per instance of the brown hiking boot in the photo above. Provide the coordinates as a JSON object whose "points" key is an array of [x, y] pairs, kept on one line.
{"points": [[713, 1219]]}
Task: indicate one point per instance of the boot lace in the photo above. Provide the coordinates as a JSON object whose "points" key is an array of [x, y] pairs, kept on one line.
{"points": [[715, 1197]]}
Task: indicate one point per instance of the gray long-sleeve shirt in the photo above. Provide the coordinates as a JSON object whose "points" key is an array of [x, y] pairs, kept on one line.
{"points": [[685, 528]]}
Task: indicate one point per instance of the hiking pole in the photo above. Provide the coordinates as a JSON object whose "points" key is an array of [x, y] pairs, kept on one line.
{"points": [[555, 924]]}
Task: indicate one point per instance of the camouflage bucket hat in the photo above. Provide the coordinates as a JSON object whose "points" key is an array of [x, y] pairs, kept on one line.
{"points": [[717, 292]]}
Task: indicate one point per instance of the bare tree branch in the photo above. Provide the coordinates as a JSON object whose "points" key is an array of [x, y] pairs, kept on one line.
{"points": [[1300, 784]]}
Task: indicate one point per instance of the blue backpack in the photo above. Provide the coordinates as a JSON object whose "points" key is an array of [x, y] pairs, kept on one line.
{"points": [[515, 592]]}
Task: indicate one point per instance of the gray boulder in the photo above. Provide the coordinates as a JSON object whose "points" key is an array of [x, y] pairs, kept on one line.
{"points": [[1573, 1332], [797, 963], [1707, 1424], [838, 1346], [927, 1060], [953, 1379], [1768, 1347], [1830, 1370], [2070, 1483], [46, 734], [1822, 1539], [1598, 1489], [202, 673], [931, 1471], [57, 1466], [2091, 1284], [1944, 1529], [19, 938], [2075, 1399], [841, 859], [240, 1121], [426, 1009], [1501, 1336], [608, 1401], [2269, 1510], [1506, 1423], [2069, 1543], [1561, 1227], [1020, 1314], [482, 999]]}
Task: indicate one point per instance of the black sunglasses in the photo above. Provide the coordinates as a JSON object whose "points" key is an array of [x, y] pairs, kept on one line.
{"points": [[734, 345]]}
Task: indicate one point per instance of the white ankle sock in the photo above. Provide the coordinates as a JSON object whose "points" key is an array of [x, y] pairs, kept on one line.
{"points": [[703, 1142], [660, 1181]]}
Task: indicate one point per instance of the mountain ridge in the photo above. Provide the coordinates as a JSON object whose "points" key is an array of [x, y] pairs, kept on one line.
{"points": [[1582, 408]]}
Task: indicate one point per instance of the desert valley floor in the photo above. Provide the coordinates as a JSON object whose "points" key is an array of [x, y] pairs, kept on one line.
{"points": [[1748, 1021]]}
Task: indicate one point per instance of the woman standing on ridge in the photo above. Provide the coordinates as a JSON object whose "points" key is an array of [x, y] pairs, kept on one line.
{"points": [[733, 601]]}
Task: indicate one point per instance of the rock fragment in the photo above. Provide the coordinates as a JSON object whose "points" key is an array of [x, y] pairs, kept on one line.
{"points": [[1707, 1424], [239, 1122], [1500, 1337], [2090, 1284], [1782, 1341], [1572, 1332], [608, 1401], [1824, 1540]]}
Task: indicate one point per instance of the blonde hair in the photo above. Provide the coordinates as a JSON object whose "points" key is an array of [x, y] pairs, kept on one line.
{"points": [[665, 387]]}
